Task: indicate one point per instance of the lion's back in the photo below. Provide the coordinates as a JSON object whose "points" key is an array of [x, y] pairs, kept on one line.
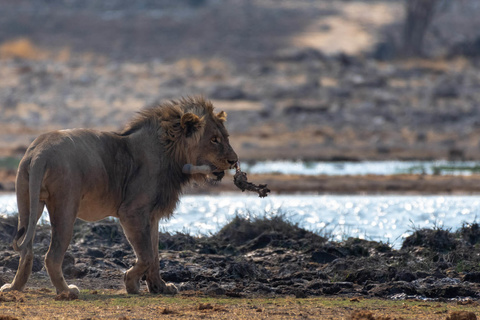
{"points": [[81, 157]]}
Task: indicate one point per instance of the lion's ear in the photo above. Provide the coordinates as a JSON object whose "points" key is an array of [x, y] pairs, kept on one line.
{"points": [[222, 115], [190, 123]]}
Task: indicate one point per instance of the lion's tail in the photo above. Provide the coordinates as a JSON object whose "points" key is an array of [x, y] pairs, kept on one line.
{"points": [[37, 170]]}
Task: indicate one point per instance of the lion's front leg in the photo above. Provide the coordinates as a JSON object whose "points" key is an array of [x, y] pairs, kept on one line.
{"points": [[142, 241], [154, 282]]}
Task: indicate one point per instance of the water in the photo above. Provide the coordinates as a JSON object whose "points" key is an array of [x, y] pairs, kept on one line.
{"points": [[381, 218], [364, 167], [440, 167]]}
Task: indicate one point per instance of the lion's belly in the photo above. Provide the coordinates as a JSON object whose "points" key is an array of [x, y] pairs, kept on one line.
{"points": [[96, 209]]}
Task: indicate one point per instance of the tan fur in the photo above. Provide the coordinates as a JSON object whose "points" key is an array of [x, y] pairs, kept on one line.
{"points": [[135, 175]]}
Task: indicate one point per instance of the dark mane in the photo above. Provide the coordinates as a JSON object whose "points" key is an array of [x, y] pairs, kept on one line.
{"points": [[167, 114]]}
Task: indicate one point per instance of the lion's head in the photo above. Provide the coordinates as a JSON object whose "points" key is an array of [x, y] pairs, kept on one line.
{"points": [[191, 132]]}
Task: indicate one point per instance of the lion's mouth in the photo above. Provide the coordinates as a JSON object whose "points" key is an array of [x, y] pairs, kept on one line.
{"points": [[204, 169], [218, 175], [217, 172]]}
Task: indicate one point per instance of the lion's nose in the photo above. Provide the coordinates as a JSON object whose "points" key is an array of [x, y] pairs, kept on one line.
{"points": [[232, 162]]}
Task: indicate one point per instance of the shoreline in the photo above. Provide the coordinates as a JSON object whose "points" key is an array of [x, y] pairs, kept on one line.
{"points": [[409, 184]]}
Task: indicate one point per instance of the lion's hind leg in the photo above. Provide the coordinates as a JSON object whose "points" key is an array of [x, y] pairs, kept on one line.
{"points": [[62, 218], [26, 255]]}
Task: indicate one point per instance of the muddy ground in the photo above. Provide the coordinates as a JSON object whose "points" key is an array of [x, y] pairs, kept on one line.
{"points": [[268, 257]]}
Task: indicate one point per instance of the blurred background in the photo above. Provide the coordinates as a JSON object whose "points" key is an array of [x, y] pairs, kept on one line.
{"points": [[303, 80]]}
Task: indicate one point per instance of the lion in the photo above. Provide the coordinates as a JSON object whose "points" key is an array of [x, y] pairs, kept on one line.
{"points": [[134, 175]]}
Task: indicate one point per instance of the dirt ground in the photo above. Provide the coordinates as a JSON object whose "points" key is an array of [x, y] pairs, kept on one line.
{"points": [[111, 304]]}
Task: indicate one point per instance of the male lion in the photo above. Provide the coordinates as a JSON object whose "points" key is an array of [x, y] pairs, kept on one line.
{"points": [[135, 175]]}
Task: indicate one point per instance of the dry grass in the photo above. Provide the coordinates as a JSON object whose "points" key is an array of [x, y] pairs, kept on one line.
{"points": [[40, 304], [21, 48]]}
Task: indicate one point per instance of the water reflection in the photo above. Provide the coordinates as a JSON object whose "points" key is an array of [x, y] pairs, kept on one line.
{"points": [[386, 218]]}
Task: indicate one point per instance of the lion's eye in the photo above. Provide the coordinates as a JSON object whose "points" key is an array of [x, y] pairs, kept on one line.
{"points": [[215, 140]]}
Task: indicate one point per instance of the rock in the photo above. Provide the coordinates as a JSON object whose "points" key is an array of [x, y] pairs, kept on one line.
{"points": [[316, 284], [177, 276], [37, 263], [118, 254], [8, 229], [95, 253], [120, 263], [243, 270], [472, 277], [405, 276], [68, 260], [363, 275], [322, 257], [215, 290], [103, 232], [12, 262], [331, 289], [76, 271]]}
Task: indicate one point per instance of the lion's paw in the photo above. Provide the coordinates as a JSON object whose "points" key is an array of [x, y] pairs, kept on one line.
{"points": [[6, 287], [73, 289], [170, 288]]}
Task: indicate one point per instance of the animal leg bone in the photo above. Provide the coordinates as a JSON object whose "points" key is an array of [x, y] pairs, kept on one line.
{"points": [[191, 169]]}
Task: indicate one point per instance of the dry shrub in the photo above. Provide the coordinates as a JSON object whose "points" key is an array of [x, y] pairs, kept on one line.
{"points": [[20, 48], [241, 231], [438, 240], [462, 315], [470, 233]]}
